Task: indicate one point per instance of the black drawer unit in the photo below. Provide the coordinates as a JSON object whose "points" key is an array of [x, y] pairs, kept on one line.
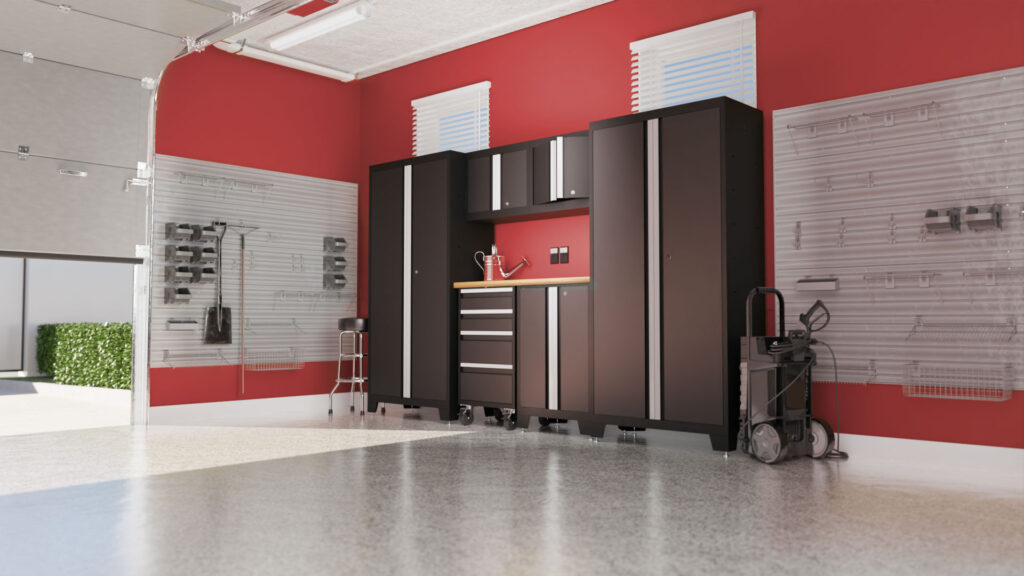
{"points": [[487, 345]]}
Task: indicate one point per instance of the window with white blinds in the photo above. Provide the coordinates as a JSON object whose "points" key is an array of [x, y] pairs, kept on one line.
{"points": [[717, 58], [458, 120]]}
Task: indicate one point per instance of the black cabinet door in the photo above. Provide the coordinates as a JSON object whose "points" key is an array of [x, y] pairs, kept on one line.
{"points": [[386, 244], [431, 288], [542, 172], [619, 247], [574, 347], [478, 183], [575, 167], [515, 178], [693, 318], [531, 346]]}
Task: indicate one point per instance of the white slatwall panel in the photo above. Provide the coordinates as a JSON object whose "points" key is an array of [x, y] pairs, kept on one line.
{"points": [[853, 181], [290, 317], [458, 120], [717, 58]]}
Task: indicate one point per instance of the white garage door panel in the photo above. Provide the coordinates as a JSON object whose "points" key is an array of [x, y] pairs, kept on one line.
{"points": [[12, 283], [84, 40], [170, 16], [66, 112], [44, 212]]}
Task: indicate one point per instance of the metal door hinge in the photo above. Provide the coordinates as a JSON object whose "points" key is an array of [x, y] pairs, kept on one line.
{"points": [[22, 152], [148, 83], [28, 57]]}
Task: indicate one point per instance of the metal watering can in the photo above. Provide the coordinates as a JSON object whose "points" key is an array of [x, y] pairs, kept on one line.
{"points": [[493, 264]]}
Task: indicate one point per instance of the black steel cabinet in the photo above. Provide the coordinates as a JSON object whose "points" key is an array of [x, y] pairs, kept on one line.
{"points": [[678, 240], [499, 180], [561, 168], [553, 351], [420, 242]]}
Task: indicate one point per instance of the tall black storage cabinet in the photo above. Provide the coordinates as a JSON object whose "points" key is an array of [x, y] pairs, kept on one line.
{"points": [[420, 242], [677, 228]]}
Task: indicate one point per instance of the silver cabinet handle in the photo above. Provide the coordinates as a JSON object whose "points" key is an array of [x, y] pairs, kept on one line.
{"points": [[75, 173]]}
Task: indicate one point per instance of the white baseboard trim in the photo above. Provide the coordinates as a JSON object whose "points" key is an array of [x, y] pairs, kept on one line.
{"points": [[257, 412], [961, 466]]}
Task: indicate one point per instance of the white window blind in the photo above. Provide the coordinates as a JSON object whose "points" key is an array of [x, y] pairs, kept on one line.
{"points": [[717, 58], [458, 120]]}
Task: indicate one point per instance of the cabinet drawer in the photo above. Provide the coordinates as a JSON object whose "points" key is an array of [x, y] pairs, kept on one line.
{"points": [[470, 324], [486, 388], [500, 303], [486, 354]]}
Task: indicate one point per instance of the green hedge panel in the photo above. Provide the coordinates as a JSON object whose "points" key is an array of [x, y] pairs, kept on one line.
{"points": [[86, 354]]}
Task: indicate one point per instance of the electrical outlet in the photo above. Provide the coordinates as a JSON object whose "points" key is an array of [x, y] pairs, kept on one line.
{"points": [[554, 255], [563, 254]]}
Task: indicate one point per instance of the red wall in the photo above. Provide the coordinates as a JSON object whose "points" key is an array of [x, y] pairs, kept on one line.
{"points": [[559, 76], [219, 107]]}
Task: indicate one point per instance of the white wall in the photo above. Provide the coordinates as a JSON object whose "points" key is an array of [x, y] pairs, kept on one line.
{"points": [[11, 281], [58, 291]]}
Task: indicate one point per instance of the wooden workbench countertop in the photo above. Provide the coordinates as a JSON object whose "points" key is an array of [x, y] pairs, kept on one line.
{"points": [[522, 282]]}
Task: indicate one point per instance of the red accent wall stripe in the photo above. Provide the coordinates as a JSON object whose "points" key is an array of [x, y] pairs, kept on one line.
{"points": [[883, 410]]}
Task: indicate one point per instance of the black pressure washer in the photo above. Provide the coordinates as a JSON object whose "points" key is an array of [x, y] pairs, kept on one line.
{"points": [[775, 388]]}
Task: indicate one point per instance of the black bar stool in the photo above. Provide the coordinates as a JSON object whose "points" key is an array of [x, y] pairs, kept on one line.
{"points": [[354, 328]]}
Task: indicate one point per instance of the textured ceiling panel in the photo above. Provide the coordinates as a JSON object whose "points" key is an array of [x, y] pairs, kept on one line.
{"points": [[404, 31], [134, 38]]}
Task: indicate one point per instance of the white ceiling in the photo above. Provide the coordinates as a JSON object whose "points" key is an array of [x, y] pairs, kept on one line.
{"points": [[404, 31], [138, 38]]}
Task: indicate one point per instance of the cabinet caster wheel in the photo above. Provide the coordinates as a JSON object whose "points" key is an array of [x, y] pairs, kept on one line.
{"points": [[351, 408], [544, 422], [510, 422], [466, 416], [382, 409]]}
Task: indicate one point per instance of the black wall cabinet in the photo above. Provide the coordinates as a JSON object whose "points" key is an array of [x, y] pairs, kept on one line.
{"points": [[530, 178], [420, 242], [678, 240]]}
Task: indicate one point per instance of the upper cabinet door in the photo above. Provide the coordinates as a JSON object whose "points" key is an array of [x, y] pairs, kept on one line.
{"points": [[575, 159], [478, 183], [515, 178], [693, 295], [386, 277], [619, 272], [543, 171]]}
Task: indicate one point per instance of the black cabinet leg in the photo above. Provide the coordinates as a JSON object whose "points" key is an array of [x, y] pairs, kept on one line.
{"points": [[448, 413], [371, 406], [723, 443], [591, 428], [522, 421]]}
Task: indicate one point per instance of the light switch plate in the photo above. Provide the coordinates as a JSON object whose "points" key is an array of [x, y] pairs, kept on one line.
{"points": [[554, 255], [563, 255]]}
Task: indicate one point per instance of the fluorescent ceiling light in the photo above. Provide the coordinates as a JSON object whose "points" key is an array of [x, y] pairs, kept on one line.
{"points": [[319, 25], [287, 61]]}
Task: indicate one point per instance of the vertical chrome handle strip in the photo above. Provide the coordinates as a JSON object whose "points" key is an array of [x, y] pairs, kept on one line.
{"points": [[553, 383], [553, 172], [653, 271], [407, 283], [560, 171], [496, 182]]}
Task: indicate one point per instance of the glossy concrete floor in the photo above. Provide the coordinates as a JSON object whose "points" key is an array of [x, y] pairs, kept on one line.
{"points": [[404, 494]]}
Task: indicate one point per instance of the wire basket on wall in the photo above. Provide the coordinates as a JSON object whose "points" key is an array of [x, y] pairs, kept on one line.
{"points": [[272, 360], [991, 384]]}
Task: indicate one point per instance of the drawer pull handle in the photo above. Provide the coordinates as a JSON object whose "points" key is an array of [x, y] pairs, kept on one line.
{"points": [[486, 366]]}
